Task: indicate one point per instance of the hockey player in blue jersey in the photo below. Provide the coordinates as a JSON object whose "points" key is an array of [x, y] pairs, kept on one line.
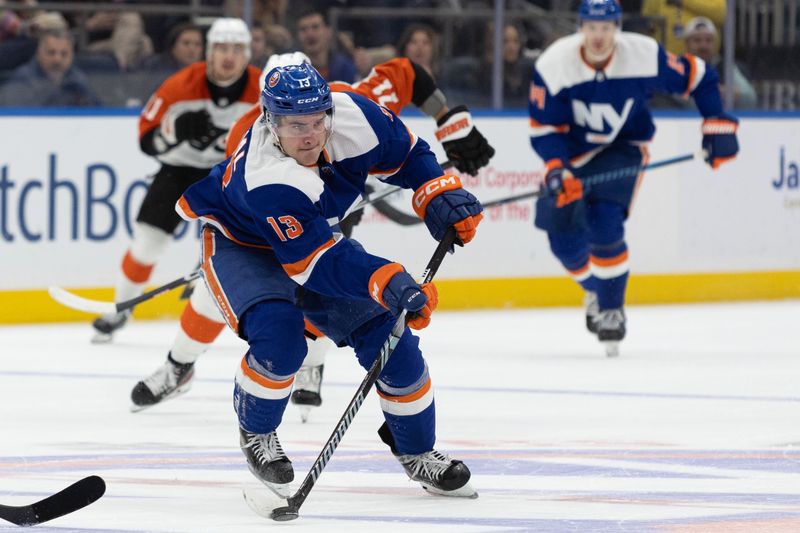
{"points": [[589, 114], [270, 255]]}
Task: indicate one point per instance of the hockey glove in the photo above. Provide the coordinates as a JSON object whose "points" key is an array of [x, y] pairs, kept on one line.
{"points": [[441, 203], [560, 182], [193, 126], [464, 145], [392, 287], [719, 139]]}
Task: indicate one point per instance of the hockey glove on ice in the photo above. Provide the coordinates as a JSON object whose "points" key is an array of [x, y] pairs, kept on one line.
{"points": [[464, 145], [560, 182], [441, 203], [392, 287], [719, 139]]}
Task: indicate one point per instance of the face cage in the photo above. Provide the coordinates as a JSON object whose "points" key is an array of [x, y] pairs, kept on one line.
{"points": [[271, 120]]}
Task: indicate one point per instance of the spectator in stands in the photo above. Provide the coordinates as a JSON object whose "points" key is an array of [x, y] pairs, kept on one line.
{"points": [[673, 15], [316, 40], [516, 67], [18, 35], [702, 39], [120, 34], [264, 12], [420, 44], [184, 47], [268, 40], [49, 79]]}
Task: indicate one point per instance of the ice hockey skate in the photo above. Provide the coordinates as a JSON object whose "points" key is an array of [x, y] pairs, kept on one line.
{"points": [[307, 384], [267, 461], [170, 380], [592, 310], [105, 326], [611, 330], [438, 474]]}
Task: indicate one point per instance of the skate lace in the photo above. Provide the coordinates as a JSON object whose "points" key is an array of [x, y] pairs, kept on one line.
{"points": [[429, 465], [308, 378], [163, 379], [590, 302], [266, 447], [611, 319]]}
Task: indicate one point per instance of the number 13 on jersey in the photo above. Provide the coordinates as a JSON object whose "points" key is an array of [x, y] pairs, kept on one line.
{"points": [[293, 228]]}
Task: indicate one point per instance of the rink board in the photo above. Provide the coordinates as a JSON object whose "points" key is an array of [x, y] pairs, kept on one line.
{"points": [[68, 200]]}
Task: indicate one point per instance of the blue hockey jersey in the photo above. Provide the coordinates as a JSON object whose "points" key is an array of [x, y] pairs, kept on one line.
{"points": [[261, 197], [576, 110]]}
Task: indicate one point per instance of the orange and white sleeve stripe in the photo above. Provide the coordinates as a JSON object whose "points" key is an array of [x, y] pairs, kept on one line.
{"points": [[540, 130], [301, 270]]}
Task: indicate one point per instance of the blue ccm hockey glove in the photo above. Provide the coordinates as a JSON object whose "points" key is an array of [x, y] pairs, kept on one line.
{"points": [[395, 289], [441, 203], [719, 139]]}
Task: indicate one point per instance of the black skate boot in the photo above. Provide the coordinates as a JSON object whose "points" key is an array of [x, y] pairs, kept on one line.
{"points": [[611, 330], [267, 461], [592, 311], [434, 470], [307, 384], [106, 325], [170, 380]]}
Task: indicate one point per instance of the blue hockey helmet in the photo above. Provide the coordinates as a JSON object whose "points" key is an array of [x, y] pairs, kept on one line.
{"points": [[295, 90], [600, 10]]}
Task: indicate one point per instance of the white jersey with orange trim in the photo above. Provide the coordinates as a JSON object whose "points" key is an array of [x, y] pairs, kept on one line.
{"points": [[188, 90], [263, 198], [577, 109]]}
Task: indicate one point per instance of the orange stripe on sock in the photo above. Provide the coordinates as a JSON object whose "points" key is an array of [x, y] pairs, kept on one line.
{"points": [[264, 381], [198, 327], [134, 270], [609, 261], [408, 397]]}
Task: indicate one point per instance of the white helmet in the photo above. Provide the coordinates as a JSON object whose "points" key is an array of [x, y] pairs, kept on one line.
{"points": [[228, 30], [282, 60]]}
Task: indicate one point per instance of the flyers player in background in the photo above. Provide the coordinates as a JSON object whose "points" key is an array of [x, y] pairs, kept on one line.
{"points": [[395, 85], [184, 126], [589, 114], [272, 260]]}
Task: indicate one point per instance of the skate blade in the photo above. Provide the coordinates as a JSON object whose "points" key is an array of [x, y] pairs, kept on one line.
{"points": [[101, 338], [177, 392], [262, 502], [612, 348], [464, 492]]}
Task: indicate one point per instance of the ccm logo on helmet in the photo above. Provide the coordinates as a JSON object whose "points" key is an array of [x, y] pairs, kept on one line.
{"points": [[308, 100]]}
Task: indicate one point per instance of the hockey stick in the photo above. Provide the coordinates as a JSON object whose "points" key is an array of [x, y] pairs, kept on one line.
{"points": [[596, 179], [87, 305], [291, 511], [76, 496]]}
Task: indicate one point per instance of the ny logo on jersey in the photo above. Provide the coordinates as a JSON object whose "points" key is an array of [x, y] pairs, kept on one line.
{"points": [[596, 116]]}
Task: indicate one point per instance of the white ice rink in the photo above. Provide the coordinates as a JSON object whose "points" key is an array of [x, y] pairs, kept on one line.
{"points": [[695, 428]]}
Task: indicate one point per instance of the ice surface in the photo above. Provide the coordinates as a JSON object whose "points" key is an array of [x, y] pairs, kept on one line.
{"points": [[694, 428]]}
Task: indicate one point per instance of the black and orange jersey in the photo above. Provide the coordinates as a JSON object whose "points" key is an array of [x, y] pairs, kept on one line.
{"points": [[189, 90]]}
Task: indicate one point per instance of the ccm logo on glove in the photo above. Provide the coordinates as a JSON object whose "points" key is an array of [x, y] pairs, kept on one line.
{"points": [[436, 186]]}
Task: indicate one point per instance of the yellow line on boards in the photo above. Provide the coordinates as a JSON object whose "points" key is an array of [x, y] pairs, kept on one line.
{"points": [[32, 306]]}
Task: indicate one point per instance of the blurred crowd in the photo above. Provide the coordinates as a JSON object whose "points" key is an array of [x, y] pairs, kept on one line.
{"points": [[118, 58]]}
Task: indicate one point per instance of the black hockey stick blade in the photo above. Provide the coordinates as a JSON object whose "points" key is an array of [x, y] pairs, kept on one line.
{"points": [[76, 496]]}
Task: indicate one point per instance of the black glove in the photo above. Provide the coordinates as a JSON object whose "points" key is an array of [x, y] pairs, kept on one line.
{"points": [[193, 126], [464, 145]]}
